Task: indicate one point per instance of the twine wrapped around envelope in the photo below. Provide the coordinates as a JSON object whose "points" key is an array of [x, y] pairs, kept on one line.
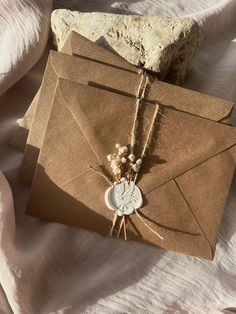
{"points": [[133, 168]]}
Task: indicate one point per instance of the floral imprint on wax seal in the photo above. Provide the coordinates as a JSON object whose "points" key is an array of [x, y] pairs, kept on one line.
{"points": [[124, 197]]}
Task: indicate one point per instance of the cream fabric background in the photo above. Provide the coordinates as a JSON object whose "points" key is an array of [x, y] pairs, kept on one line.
{"points": [[24, 27], [52, 268]]}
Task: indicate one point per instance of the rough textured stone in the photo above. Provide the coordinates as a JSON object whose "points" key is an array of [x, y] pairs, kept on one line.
{"points": [[163, 45]]}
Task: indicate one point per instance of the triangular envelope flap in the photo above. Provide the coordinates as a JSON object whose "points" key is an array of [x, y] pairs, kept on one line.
{"points": [[190, 101], [62, 178], [104, 76], [167, 212], [105, 118], [182, 142], [85, 48], [61, 138], [206, 189]]}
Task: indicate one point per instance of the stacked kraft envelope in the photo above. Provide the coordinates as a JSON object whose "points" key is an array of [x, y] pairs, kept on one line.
{"points": [[86, 104]]}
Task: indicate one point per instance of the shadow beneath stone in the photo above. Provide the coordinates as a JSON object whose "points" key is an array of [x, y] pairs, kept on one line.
{"points": [[106, 6]]}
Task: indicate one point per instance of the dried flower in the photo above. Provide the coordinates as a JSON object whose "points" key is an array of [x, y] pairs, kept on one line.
{"points": [[136, 167], [109, 157], [122, 166], [117, 170], [114, 163], [123, 160], [139, 161], [122, 150], [131, 157]]}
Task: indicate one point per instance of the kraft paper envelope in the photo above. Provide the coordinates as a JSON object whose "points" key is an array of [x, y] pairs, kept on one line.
{"points": [[78, 45], [113, 78], [75, 45], [76, 69], [184, 179]]}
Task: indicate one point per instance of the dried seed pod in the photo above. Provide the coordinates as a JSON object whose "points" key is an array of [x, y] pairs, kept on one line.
{"points": [[139, 161], [123, 160], [131, 157]]}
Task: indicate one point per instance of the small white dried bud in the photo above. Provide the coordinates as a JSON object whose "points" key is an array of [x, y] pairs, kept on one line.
{"points": [[118, 146], [136, 167], [109, 157], [120, 152], [123, 160], [131, 157], [114, 163], [116, 170], [138, 162]]}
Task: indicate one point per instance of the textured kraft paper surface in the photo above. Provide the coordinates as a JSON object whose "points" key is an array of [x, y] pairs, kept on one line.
{"points": [[185, 178], [75, 45], [76, 69], [169, 95]]}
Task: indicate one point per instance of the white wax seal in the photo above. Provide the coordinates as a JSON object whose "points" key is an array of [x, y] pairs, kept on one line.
{"points": [[124, 197]]}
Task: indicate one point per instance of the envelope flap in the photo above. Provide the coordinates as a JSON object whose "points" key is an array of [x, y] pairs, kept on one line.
{"points": [[205, 189], [63, 135], [190, 101], [104, 76], [181, 142], [170, 95], [105, 118], [167, 212], [85, 48]]}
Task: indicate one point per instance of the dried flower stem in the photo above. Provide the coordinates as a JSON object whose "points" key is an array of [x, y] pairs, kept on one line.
{"points": [[124, 225], [120, 227], [113, 224]]}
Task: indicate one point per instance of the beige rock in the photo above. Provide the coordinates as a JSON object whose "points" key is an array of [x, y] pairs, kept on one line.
{"points": [[163, 45]]}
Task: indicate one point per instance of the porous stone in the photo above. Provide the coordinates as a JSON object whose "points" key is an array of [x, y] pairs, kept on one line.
{"points": [[164, 45]]}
